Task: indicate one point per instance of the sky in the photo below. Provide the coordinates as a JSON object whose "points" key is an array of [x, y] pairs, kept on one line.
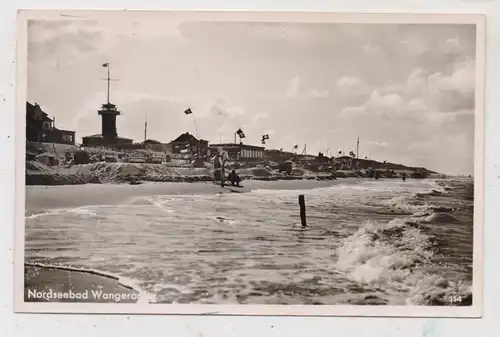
{"points": [[406, 90]]}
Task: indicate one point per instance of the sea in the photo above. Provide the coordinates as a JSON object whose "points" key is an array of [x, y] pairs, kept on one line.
{"points": [[368, 242]]}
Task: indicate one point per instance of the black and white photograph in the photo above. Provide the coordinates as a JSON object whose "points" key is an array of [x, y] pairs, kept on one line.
{"points": [[250, 163]]}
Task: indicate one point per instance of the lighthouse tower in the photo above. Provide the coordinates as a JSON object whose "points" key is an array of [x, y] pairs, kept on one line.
{"points": [[109, 133], [108, 113]]}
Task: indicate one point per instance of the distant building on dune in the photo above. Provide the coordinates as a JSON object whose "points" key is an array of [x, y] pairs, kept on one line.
{"points": [[41, 128], [148, 144], [190, 144], [100, 140], [239, 151], [279, 156]]}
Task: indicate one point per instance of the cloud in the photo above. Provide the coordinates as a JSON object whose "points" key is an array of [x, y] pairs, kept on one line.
{"points": [[260, 116], [66, 39], [453, 46], [377, 144], [389, 100], [293, 87], [314, 93], [462, 79], [417, 104], [417, 82], [430, 99], [351, 90], [349, 82], [353, 111]]}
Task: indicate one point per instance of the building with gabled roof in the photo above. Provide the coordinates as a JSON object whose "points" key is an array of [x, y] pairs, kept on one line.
{"points": [[41, 128], [186, 142]]}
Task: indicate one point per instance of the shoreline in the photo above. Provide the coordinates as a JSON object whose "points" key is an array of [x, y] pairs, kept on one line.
{"points": [[41, 199]]}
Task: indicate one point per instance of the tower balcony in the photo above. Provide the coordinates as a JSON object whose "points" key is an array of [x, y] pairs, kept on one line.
{"points": [[108, 109]]}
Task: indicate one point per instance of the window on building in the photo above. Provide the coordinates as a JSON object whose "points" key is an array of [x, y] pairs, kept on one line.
{"points": [[67, 138], [46, 125]]}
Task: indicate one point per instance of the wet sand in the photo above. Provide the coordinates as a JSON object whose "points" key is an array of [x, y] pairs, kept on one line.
{"points": [[47, 284], [42, 198]]}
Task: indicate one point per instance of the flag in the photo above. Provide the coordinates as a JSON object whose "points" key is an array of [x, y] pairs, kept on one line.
{"points": [[188, 112], [105, 65], [240, 133], [295, 147], [265, 137]]}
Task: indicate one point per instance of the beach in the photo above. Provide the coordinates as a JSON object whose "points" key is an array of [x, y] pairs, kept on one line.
{"points": [[368, 241], [41, 198]]}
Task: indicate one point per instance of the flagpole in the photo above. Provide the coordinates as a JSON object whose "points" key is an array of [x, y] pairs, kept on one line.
{"points": [[109, 80], [196, 128], [197, 136], [145, 126], [357, 148]]}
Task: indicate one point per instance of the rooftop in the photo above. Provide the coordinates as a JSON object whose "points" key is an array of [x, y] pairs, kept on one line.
{"points": [[99, 136], [187, 138], [237, 145]]}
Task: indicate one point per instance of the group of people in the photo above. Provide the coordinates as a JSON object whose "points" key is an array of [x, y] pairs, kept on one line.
{"points": [[220, 160]]}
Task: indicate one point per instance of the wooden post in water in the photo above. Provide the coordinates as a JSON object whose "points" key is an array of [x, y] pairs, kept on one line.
{"points": [[302, 204]]}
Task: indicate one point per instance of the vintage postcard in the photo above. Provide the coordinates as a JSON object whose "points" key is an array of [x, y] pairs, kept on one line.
{"points": [[250, 163]]}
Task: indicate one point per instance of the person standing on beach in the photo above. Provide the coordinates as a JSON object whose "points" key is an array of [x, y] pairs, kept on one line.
{"points": [[220, 160]]}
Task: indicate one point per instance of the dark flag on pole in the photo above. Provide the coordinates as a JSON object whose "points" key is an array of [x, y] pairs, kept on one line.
{"points": [[295, 147], [105, 65], [264, 138], [188, 112], [240, 133]]}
